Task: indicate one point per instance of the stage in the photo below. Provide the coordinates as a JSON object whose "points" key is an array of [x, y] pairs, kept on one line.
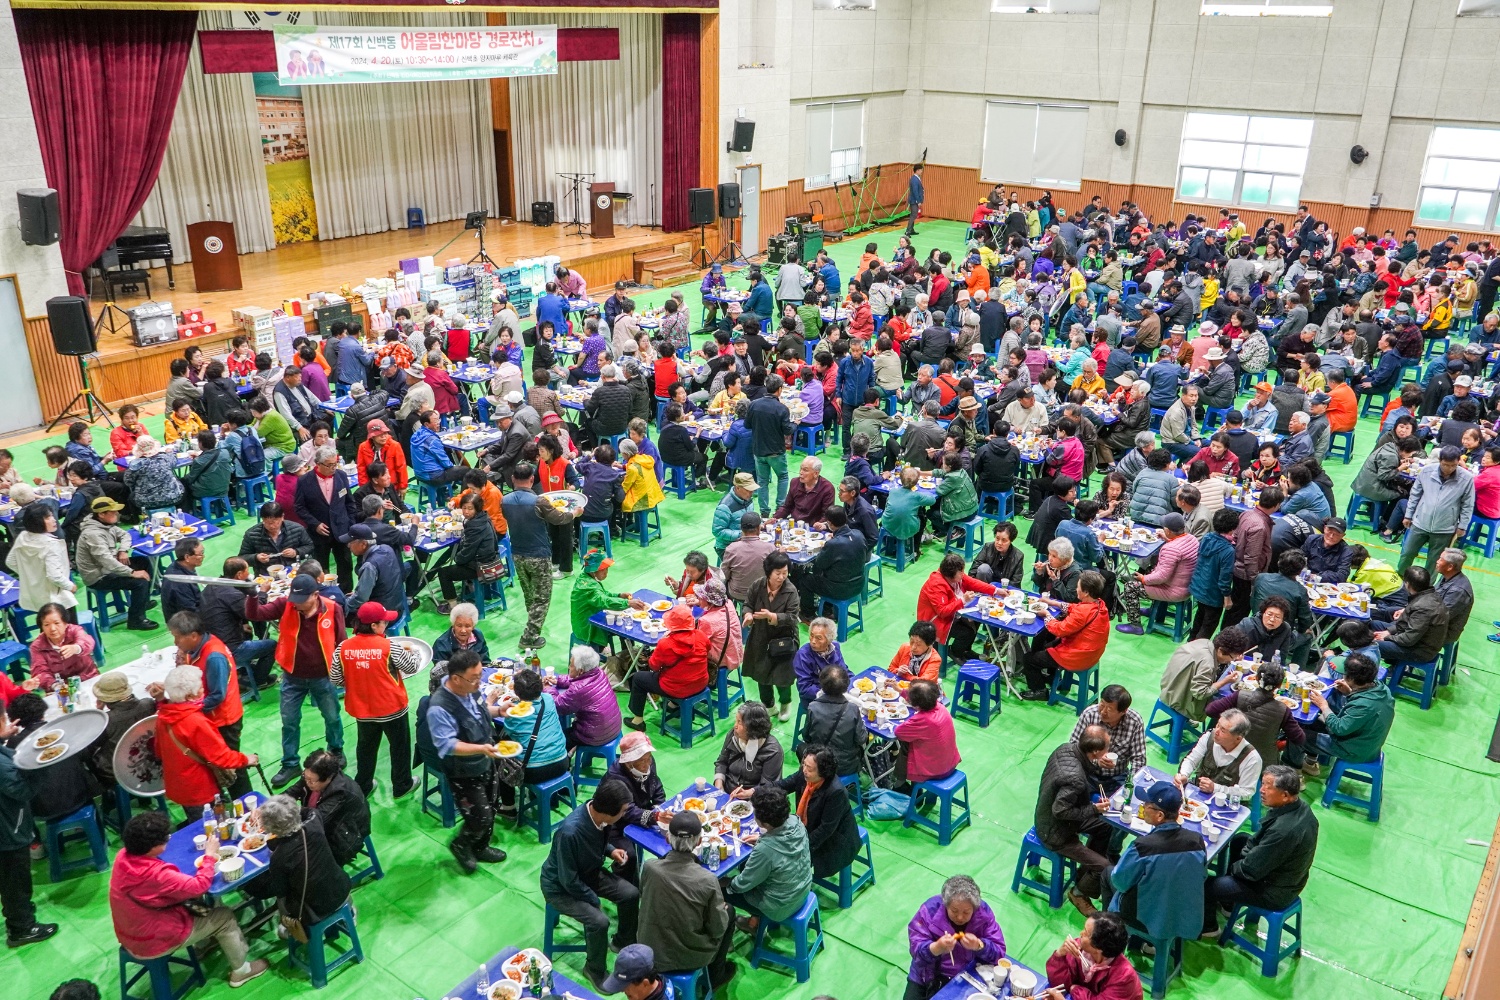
{"points": [[122, 371]]}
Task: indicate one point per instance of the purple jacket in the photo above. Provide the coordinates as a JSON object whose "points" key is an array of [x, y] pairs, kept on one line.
{"points": [[807, 664], [316, 380], [591, 701], [931, 923]]}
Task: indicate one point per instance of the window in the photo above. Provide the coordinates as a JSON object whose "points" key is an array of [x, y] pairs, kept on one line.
{"points": [[843, 4], [1243, 159], [1040, 144], [1045, 7], [1479, 8], [1265, 8], [1460, 178], [835, 143]]}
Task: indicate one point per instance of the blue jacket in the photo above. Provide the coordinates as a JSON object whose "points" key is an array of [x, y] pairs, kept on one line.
{"points": [[80, 452], [529, 538], [352, 362], [853, 379], [428, 456], [553, 309], [1165, 378], [312, 510], [737, 444], [1086, 548], [1214, 573], [1163, 868], [914, 190], [861, 469], [761, 302], [831, 280], [1309, 499], [1386, 372], [380, 578]]}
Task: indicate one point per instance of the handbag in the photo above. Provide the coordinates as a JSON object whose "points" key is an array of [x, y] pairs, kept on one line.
{"points": [[512, 771], [224, 777], [490, 572], [293, 925]]}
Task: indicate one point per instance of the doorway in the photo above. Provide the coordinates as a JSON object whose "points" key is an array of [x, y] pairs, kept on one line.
{"points": [[20, 408], [750, 211]]}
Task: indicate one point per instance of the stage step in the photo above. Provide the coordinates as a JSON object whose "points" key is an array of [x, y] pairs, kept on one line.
{"points": [[665, 265]]}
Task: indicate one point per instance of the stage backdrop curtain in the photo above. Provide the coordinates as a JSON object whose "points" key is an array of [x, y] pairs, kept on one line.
{"points": [[680, 117], [378, 149], [103, 87], [213, 168], [604, 117]]}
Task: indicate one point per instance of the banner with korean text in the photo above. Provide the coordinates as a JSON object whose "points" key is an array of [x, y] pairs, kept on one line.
{"points": [[306, 54]]}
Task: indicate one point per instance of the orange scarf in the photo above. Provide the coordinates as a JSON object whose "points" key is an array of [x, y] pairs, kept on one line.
{"points": [[802, 800]]}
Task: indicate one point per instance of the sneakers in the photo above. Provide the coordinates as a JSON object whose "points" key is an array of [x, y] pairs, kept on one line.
{"points": [[596, 977], [338, 755], [257, 968], [444, 608], [403, 791], [465, 857], [785, 714], [557, 574], [1130, 629], [285, 776], [1312, 769], [534, 643], [38, 932]]}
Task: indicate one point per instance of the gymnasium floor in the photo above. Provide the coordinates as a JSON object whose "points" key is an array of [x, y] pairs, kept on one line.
{"points": [[1383, 913]]}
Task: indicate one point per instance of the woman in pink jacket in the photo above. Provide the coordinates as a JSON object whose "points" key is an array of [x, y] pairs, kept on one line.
{"points": [[62, 650], [146, 896], [928, 741], [721, 623], [1168, 581]]}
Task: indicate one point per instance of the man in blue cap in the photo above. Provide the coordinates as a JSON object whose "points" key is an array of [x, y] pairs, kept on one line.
{"points": [[1158, 878], [635, 976]]}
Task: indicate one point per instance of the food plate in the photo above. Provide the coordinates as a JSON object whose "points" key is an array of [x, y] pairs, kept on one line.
{"points": [[516, 966], [693, 804], [661, 606], [47, 738], [419, 648], [1194, 811], [640, 616], [79, 730], [253, 842], [864, 684], [505, 989], [508, 748], [519, 710], [51, 753], [739, 809]]}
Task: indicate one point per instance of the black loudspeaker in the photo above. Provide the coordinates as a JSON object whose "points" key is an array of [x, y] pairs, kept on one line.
{"points": [[543, 213], [1121, 137], [729, 201], [1358, 154], [39, 227], [72, 329], [744, 136], [701, 206]]}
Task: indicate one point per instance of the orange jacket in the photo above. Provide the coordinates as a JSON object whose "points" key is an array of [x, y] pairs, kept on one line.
{"points": [[1082, 634], [1343, 408], [490, 497], [230, 710], [928, 670], [391, 454]]}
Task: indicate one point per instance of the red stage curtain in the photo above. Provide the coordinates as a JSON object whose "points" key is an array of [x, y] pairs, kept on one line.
{"points": [[681, 115], [104, 90]]}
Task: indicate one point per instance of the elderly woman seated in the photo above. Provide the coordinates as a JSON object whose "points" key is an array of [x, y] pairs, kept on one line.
{"points": [[751, 756], [949, 931], [834, 722], [549, 757], [334, 796], [462, 633], [816, 655], [588, 695], [63, 650], [1057, 576], [822, 804], [303, 876]]}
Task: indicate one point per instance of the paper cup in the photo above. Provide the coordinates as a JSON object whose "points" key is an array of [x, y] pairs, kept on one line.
{"points": [[200, 842], [700, 783], [233, 869]]}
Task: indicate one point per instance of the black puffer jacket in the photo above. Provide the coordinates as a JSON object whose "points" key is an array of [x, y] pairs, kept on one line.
{"points": [[344, 812], [1064, 804], [609, 408], [352, 425], [303, 873], [996, 466]]}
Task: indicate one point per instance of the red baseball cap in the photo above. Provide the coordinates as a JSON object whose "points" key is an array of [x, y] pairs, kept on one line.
{"points": [[371, 612]]}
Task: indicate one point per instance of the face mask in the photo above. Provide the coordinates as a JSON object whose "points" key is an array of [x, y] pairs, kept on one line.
{"points": [[638, 773]]}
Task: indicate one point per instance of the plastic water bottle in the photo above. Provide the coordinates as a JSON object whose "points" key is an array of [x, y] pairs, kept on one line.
{"points": [[145, 651], [484, 979]]}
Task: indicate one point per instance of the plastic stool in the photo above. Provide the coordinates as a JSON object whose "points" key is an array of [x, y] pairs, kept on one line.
{"points": [[1341, 443], [370, 872], [1447, 659], [1004, 505], [874, 571], [414, 219], [429, 495], [1373, 403], [808, 439], [849, 613], [252, 492], [1033, 853], [645, 525], [1181, 613], [1272, 952], [160, 971], [1156, 415], [1181, 734], [681, 723], [543, 796], [444, 809], [587, 528], [856, 797], [977, 691], [584, 755], [487, 595], [109, 607], [90, 625], [848, 883], [685, 985], [1087, 688], [899, 559], [116, 808], [1166, 964], [208, 506], [1426, 673], [1437, 347], [729, 691], [806, 926], [81, 825], [1372, 774], [1357, 505], [679, 481], [1213, 416], [15, 659], [1483, 531], [550, 948], [315, 962], [950, 792], [973, 531]]}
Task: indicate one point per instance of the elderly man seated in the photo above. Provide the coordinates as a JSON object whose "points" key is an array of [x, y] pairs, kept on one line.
{"points": [[1161, 870], [1069, 807], [683, 916], [809, 496], [1268, 869], [1357, 729], [1417, 632], [1127, 734], [1223, 760]]}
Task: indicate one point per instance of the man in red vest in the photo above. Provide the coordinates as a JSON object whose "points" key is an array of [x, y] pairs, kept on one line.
{"points": [[370, 670], [197, 647], [311, 629]]}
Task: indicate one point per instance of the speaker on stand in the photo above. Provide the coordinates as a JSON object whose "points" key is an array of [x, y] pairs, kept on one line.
{"points": [[73, 334]]}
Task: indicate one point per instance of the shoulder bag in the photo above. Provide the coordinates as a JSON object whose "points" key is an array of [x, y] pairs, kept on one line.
{"points": [[292, 924], [512, 770], [224, 777]]}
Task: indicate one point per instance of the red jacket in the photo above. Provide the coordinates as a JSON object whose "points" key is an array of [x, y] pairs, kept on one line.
{"points": [[861, 322], [681, 658], [938, 603], [1115, 981], [1082, 634], [1229, 465], [664, 372], [931, 744], [459, 341], [393, 457], [190, 784], [145, 899], [444, 390]]}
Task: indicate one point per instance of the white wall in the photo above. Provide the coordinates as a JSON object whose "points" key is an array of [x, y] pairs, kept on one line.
{"points": [[39, 269], [1379, 73]]}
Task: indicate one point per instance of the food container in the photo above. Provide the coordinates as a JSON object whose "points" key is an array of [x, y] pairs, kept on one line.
{"points": [[232, 869]]}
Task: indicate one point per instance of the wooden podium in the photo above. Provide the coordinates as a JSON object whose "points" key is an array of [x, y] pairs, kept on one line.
{"points": [[602, 210], [216, 256]]}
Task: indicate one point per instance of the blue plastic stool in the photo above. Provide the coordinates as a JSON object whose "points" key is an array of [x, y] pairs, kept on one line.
{"points": [[587, 528], [1181, 733], [1372, 774], [798, 722], [1213, 416], [1166, 964], [681, 723], [848, 882], [252, 493], [874, 578], [1004, 505], [1358, 505], [1272, 952], [899, 559], [645, 525], [312, 958], [444, 809], [543, 798], [584, 755], [81, 825], [109, 607], [216, 510], [977, 691], [429, 495], [1341, 443], [550, 947], [973, 532], [370, 872], [808, 439], [1156, 415], [15, 659], [90, 625], [806, 926], [685, 985], [1447, 659], [614, 441], [1425, 673], [1437, 347], [856, 796], [1483, 531], [1180, 613], [116, 808], [488, 595], [678, 481], [1033, 853], [160, 971], [849, 613], [952, 794], [729, 691], [1080, 695], [415, 219], [1372, 403]]}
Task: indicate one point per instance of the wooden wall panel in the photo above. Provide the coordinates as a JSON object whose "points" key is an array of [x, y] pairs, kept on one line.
{"points": [[56, 375], [772, 210]]}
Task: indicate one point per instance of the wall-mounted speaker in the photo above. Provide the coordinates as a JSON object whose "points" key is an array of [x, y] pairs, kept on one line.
{"points": [[1358, 154], [743, 137], [1120, 137], [39, 221]]}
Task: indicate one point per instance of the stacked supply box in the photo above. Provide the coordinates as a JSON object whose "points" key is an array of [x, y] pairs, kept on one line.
{"points": [[259, 325], [285, 330], [192, 324]]}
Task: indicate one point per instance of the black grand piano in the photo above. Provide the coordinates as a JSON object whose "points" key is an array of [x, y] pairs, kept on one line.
{"points": [[116, 266]]}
